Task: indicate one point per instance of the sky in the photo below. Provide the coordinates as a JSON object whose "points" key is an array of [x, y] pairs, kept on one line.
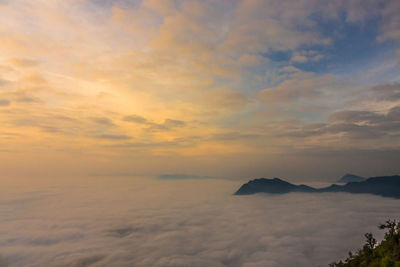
{"points": [[304, 90]]}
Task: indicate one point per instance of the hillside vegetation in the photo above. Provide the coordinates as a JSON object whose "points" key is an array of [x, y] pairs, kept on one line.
{"points": [[384, 254]]}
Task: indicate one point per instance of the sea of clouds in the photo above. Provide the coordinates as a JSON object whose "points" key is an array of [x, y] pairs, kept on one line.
{"points": [[130, 221]]}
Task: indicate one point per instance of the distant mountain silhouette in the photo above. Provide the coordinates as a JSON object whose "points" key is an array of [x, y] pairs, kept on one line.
{"points": [[348, 178], [272, 186], [386, 186]]}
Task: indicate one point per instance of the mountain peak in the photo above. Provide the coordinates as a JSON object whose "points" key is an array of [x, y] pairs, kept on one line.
{"points": [[272, 186], [349, 178]]}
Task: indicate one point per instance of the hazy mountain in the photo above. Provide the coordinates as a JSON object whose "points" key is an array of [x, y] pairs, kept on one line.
{"points": [[386, 186], [348, 178], [272, 186]]}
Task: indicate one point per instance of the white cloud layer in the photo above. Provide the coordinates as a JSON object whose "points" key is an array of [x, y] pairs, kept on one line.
{"points": [[116, 221]]}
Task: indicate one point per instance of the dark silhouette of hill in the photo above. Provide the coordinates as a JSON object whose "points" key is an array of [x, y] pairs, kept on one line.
{"points": [[386, 186], [348, 178], [272, 186]]}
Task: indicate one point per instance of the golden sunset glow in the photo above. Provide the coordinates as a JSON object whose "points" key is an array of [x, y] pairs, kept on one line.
{"points": [[199, 133], [219, 88]]}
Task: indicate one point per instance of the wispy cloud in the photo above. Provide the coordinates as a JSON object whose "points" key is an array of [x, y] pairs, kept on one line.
{"points": [[195, 78]]}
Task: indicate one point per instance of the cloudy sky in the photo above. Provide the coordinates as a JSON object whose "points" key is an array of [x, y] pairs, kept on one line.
{"points": [[304, 89]]}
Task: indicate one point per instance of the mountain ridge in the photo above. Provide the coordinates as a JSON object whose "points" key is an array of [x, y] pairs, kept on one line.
{"points": [[385, 186]]}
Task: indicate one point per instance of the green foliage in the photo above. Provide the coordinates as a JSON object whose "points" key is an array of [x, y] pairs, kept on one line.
{"points": [[384, 254]]}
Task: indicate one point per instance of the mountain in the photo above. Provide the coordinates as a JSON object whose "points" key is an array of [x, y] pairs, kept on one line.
{"points": [[386, 186], [271, 186], [348, 178]]}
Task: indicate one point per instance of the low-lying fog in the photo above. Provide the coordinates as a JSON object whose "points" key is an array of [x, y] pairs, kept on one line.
{"points": [[131, 221]]}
